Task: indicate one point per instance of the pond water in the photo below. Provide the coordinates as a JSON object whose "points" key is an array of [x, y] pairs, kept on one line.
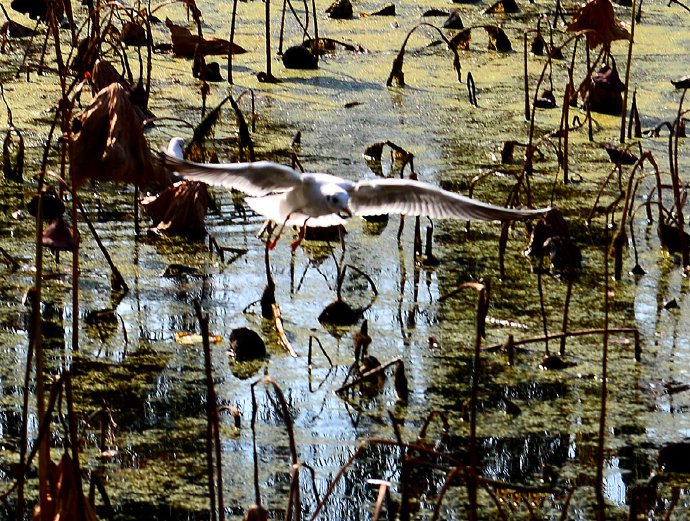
{"points": [[154, 386]]}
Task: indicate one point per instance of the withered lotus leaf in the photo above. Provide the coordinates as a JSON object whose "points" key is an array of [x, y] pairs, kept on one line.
{"points": [[388, 10], [179, 209], [462, 39], [498, 39], [453, 21], [605, 93], [340, 10], [133, 34], [38, 9], [681, 83], [503, 7], [57, 236], [184, 43], [103, 74], [108, 143], [598, 19]]}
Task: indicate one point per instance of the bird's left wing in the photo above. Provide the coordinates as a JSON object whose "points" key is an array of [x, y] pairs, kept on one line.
{"points": [[408, 197], [256, 179]]}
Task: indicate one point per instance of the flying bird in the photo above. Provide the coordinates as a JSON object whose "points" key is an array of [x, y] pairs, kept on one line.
{"points": [[291, 198]]}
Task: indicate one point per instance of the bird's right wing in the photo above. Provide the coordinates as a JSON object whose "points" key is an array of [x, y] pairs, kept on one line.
{"points": [[256, 179], [407, 197]]}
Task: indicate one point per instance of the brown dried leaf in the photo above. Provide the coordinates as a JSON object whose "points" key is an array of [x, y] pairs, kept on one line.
{"points": [[503, 7], [498, 40], [397, 75], [108, 142], [184, 43], [461, 40], [133, 34], [180, 208], [58, 236], [103, 74], [598, 19]]}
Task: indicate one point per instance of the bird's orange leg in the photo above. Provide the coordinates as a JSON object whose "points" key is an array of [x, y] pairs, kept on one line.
{"points": [[272, 243], [300, 237]]}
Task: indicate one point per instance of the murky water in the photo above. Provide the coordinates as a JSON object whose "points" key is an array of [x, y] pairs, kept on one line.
{"points": [[155, 387]]}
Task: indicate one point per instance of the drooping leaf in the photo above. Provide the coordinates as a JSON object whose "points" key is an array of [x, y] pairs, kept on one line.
{"points": [[108, 144], [184, 43], [340, 10], [503, 7], [605, 91], [498, 40], [599, 20], [133, 34], [461, 40], [453, 21], [397, 76], [13, 155], [179, 209], [57, 236]]}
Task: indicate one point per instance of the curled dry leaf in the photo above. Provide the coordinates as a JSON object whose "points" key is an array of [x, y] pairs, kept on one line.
{"points": [[133, 34], [104, 73], [388, 10], [299, 57], [57, 236], [179, 209], [14, 29], [503, 7], [246, 344], [453, 21], [87, 54], [461, 41], [605, 93], [184, 43], [108, 142], [498, 40], [340, 10], [681, 83], [598, 19]]}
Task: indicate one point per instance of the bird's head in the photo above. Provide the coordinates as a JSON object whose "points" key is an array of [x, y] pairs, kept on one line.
{"points": [[176, 147], [338, 200]]}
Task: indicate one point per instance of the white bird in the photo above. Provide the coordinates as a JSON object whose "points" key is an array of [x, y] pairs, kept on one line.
{"points": [[286, 196]]}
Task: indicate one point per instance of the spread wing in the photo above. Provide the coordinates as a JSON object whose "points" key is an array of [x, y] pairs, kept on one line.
{"points": [[256, 179], [407, 197]]}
